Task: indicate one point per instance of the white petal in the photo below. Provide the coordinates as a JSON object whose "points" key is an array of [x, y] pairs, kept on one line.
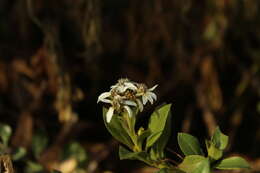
{"points": [[113, 86], [129, 111], [109, 114], [144, 98], [151, 89], [140, 105], [130, 86], [106, 101], [104, 95], [149, 97], [153, 95], [129, 103], [121, 89]]}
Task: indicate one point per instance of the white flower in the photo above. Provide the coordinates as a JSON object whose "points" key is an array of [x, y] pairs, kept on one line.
{"points": [[129, 111], [140, 105], [110, 114], [129, 103], [148, 95], [111, 110], [125, 95], [103, 97], [122, 85]]}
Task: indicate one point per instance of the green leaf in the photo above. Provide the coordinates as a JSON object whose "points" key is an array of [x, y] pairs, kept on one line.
{"points": [[213, 152], [233, 163], [153, 138], [219, 139], [19, 153], [116, 130], [39, 143], [157, 150], [195, 164], [204, 167], [142, 135], [5, 133], [189, 144], [157, 124], [126, 154]]}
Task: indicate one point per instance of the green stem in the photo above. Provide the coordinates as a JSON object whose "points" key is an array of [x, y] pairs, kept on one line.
{"points": [[130, 123]]}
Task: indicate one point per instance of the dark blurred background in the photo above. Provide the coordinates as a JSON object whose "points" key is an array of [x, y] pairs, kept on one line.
{"points": [[56, 57]]}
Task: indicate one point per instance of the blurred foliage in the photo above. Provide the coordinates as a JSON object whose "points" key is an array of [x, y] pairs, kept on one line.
{"points": [[56, 57]]}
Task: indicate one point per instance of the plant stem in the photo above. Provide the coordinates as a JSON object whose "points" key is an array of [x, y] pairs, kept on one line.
{"points": [[131, 132]]}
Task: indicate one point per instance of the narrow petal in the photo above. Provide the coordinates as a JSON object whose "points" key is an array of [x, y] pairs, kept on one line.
{"points": [[129, 111], [121, 89], [144, 98], [151, 89], [140, 105], [113, 86], [129, 103], [109, 114], [103, 96], [153, 95], [106, 101], [149, 97], [131, 86]]}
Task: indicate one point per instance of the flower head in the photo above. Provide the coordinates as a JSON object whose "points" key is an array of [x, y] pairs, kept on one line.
{"points": [[126, 96]]}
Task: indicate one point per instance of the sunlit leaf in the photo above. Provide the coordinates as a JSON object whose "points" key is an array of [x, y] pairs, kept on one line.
{"points": [[195, 164], [233, 163], [213, 152], [219, 139]]}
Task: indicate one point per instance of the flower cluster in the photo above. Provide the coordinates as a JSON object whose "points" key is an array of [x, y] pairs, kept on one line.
{"points": [[125, 95]]}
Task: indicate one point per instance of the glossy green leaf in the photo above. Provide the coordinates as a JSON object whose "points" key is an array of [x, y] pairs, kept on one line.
{"points": [[116, 129], [157, 124], [126, 154], [189, 144], [233, 163], [219, 139], [195, 164], [5, 133]]}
